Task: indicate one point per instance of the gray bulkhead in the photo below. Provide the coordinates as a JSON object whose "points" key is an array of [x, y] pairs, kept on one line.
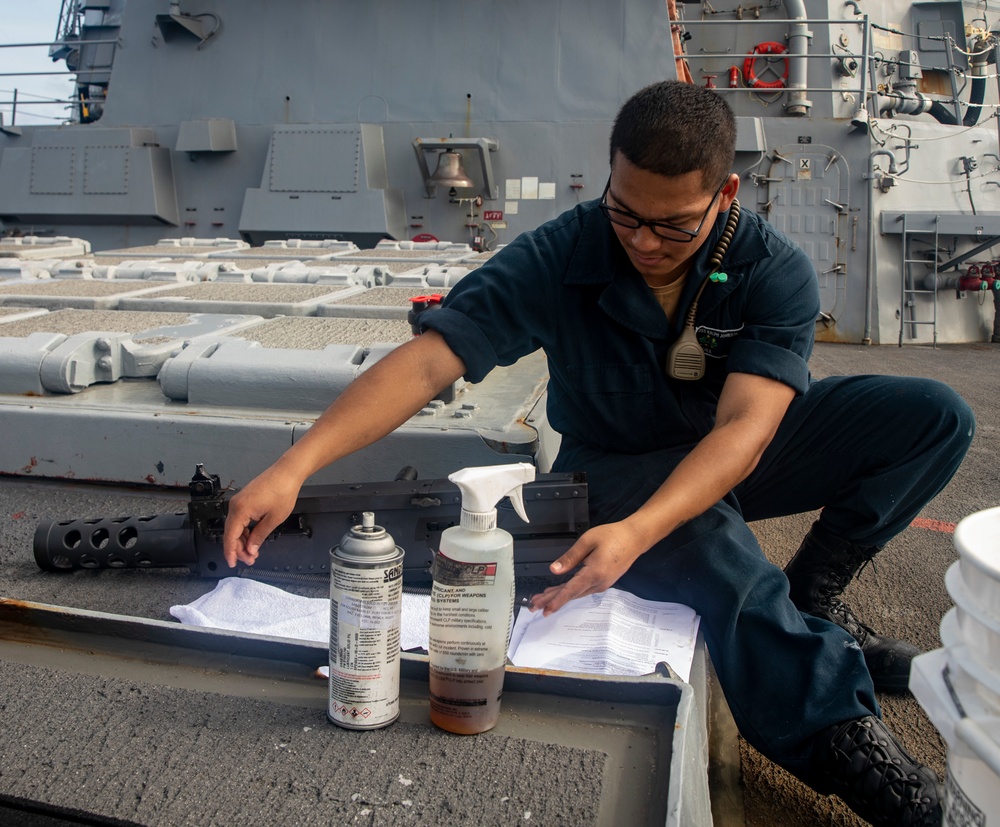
{"points": [[299, 120]]}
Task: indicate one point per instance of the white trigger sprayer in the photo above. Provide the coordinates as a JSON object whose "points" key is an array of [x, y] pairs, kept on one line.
{"points": [[483, 488]]}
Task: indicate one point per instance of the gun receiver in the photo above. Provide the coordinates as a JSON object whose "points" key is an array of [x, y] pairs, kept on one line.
{"points": [[413, 512]]}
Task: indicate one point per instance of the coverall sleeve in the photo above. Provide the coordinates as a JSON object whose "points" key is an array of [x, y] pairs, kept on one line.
{"points": [[496, 314], [779, 318]]}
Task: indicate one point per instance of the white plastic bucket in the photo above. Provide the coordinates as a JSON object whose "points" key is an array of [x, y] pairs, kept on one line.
{"points": [[959, 686], [969, 675], [972, 786], [977, 539], [979, 629]]}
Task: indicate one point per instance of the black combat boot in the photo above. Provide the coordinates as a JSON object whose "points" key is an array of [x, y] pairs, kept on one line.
{"points": [[818, 574], [861, 762]]}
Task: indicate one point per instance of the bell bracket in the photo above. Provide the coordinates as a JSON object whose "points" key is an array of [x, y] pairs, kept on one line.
{"points": [[482, 146]]}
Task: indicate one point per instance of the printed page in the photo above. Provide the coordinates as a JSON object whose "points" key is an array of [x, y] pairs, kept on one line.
{"points": [[612, 633]]}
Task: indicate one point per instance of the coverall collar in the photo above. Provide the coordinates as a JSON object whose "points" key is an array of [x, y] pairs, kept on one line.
{"points": [[599, 259]]}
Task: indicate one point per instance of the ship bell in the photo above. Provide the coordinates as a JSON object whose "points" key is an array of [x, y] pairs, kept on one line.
{"points": [[450, 172]]}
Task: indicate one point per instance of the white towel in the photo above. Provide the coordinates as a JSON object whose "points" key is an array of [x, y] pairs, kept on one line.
{"points": [[246, 605]]}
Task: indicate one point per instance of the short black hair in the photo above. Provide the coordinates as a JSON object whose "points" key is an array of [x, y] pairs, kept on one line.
{"points": [[671, 128]]}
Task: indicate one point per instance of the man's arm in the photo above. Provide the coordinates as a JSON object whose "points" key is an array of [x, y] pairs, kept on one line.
{"points": [[750, 409], [375, 404]]}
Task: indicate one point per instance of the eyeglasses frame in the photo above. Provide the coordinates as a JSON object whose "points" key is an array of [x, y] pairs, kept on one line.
{"points": [[690, 235]]}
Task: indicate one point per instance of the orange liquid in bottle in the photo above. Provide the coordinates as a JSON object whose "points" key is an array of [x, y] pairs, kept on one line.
{"points": [[465, 703]]}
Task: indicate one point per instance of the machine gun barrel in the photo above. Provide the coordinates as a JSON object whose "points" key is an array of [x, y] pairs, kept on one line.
{"points": [[414, 512], [157, 541]]}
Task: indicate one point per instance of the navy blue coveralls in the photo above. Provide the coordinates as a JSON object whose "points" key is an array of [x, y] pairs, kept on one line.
{"points": [[870, 451]]}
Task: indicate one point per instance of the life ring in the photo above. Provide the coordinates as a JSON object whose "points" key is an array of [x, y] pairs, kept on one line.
{"points": [[768, 47]]}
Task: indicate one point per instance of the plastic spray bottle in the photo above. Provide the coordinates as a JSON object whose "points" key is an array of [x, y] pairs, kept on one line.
{"points": [[472, 601]]}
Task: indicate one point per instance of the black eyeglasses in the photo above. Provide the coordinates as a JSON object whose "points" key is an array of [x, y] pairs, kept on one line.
{"points": [[662, 229]]}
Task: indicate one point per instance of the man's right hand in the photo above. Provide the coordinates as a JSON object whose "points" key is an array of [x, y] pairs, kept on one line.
{"points": [[255, 512]]}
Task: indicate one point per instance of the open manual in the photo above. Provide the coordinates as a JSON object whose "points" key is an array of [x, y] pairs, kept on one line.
{"points": [[611, 633]]}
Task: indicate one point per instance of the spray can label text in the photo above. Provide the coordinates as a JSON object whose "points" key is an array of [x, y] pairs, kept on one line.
{"points": [[364, 644]]}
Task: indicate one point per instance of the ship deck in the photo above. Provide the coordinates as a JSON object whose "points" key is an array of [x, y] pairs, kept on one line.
{"points": [[188, 715]]}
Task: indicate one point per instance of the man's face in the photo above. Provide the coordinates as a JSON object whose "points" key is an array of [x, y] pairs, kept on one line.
{"points": [[681, 200]]}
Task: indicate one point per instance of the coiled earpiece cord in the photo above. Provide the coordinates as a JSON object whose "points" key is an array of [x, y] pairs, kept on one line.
{"points": [[686, 359]]}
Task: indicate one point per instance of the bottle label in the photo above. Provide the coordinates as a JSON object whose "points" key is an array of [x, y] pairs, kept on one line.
{"points": [[470, 621], [450, 572]]}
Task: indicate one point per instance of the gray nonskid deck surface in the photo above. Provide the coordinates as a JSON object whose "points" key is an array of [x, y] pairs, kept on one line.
{"points": [[164, 756], [312, 333], [70, 322], [390, 296]]}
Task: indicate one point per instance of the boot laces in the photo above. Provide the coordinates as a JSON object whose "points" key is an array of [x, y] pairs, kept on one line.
{"points": [[841, 572], [840, 613], [838, 575], [875, 775], [836, 572]]}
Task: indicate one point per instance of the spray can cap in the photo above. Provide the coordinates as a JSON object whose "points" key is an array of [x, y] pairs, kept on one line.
{"points": [[366, 542], [483, 487]]}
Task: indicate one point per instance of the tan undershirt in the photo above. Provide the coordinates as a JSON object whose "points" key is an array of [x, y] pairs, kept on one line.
{"points": [[669, 296]]}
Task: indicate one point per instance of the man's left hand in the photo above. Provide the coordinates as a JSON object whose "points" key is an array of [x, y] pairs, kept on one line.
{"points": [[603, 554]]}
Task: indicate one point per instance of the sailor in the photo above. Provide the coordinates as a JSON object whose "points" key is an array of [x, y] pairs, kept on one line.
{"points": [[681, 455]]}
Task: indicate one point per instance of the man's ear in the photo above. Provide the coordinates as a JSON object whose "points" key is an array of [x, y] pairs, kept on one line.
{"points": [[728, 193]]}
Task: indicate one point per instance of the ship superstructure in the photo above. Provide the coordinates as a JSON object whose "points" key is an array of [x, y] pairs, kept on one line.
{"points": [[868, 131]]}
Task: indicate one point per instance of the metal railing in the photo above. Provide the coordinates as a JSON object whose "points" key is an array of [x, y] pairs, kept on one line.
{"points": [[53, 109]]}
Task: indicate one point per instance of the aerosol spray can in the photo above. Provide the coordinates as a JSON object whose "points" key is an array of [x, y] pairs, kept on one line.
{"points": [[366, 598]]}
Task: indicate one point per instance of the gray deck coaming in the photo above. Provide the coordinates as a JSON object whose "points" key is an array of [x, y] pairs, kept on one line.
{"points": [[16, 314], [179, 305], [109, 446]]}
